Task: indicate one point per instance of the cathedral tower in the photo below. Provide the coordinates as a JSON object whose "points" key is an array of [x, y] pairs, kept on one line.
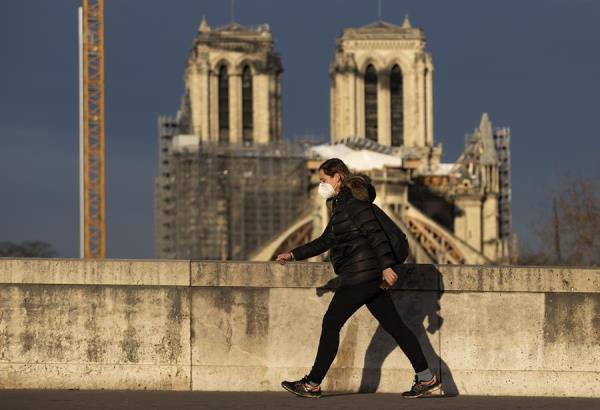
{"points": [[381, 86], [232, 86]]}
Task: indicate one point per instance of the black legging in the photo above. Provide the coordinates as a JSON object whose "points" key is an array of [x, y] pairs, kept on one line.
{"points": [[344, 303]]}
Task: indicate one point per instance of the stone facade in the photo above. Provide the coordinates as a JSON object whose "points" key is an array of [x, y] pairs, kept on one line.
{"points": [[232, 85], [476, 190], [381, 100], [402, 80], [215, 197], [381, 93]]}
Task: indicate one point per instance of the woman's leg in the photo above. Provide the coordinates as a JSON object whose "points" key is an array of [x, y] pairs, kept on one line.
{"points": [[382, 307], [344, 303]]}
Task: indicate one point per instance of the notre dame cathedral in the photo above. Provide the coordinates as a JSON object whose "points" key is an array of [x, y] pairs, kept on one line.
{"points": [[231, 187]]}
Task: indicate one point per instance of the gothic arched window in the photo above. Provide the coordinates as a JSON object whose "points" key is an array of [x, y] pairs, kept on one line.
{"points": [[396, 109], [371, 103], [223, 104], [247, 105]]}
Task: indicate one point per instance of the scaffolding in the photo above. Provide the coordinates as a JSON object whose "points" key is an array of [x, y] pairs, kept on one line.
{"points": [[502, 145], [224, 201], [164, 216]]}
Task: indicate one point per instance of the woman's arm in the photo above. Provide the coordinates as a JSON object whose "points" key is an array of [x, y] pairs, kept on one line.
{"points": [[316, 246], [361, 212]]}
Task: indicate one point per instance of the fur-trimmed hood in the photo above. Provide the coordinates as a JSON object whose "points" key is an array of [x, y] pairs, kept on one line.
{"points": [[361, 187]]}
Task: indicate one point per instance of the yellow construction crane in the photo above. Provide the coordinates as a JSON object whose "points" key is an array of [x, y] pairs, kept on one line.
{"points": [[91, 73]]}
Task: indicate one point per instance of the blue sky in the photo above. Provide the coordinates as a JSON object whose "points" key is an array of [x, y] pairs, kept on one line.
{"points": [[532, 65]]}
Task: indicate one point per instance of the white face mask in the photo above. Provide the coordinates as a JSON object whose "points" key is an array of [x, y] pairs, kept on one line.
{"points": [[326, 190]]}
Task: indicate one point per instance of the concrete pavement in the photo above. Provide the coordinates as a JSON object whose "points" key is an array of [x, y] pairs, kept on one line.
{"points": [[158, 400]]}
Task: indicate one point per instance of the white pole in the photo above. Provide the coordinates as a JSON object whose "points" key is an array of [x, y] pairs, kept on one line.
{"points": [[81, 196]]}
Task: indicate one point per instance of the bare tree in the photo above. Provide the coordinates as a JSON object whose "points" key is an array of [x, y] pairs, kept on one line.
{"points": [[570, 233]]}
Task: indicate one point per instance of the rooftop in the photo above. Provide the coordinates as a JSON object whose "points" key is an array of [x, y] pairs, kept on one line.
{"points": [[385, 30]]}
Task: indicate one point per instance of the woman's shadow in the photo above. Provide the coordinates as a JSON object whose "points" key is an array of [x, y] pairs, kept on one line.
{"points": [[419, 298]]}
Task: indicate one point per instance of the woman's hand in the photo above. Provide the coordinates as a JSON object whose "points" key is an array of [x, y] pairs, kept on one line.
{"points": [[282, 258], [389, 278]]}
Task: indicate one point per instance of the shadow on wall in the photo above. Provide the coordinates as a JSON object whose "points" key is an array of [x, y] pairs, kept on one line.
{"points": [[414, 304]]}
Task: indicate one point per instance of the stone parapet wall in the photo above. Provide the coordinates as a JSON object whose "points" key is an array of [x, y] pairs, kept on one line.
{"points": [[212, 325]]}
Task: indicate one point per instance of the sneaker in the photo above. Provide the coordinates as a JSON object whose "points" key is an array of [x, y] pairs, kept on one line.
{"points": [[302, 388], [422, 388]]}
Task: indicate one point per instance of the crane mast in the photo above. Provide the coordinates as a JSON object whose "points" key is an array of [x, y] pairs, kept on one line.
{"points": [[92, 128]]}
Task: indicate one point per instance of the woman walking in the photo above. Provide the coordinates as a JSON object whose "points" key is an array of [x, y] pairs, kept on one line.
{"points": [[362, 257]]}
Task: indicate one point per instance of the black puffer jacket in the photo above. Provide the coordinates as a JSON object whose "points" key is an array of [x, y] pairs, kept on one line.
{"points": [[360, 251]]}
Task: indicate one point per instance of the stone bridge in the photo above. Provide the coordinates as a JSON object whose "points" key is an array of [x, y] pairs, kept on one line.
{"points": [[245, 326]]}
